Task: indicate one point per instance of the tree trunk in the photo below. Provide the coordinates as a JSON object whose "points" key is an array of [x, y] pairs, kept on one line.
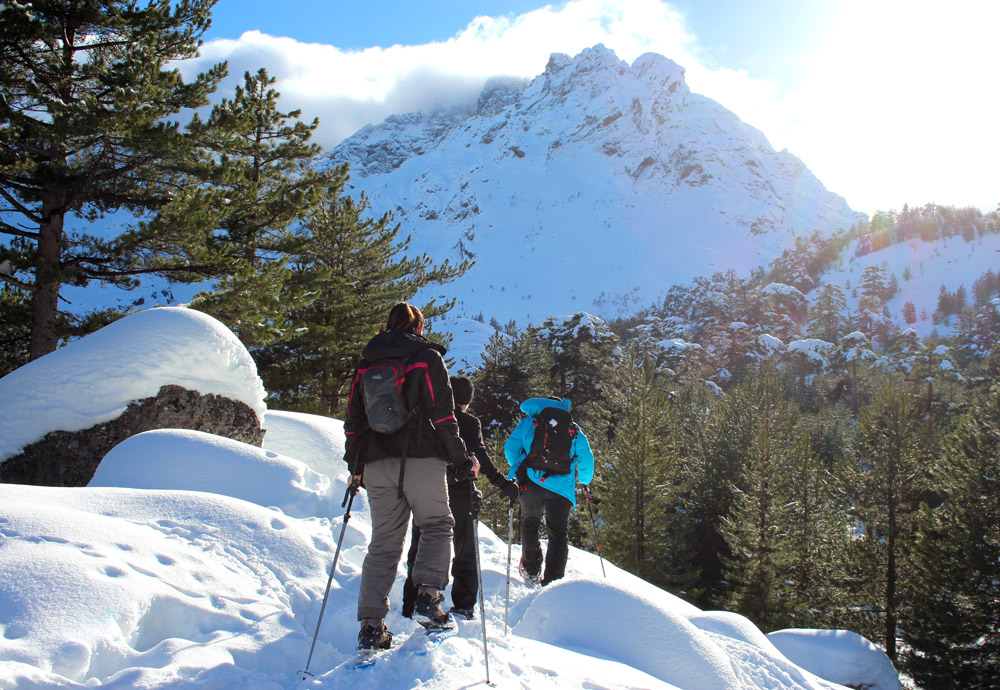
{"points": [[48, 278]]}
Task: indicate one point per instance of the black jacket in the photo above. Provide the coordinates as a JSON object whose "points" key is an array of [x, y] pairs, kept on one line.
{"points": [[426, 390], [471, 431]]}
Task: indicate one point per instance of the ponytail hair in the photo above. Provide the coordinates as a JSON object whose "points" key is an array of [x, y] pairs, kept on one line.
{"points": [[404, 317]]}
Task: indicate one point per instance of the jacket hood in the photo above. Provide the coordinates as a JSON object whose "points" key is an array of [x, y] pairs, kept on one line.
{"points": [[397, 344], [533, 406]]}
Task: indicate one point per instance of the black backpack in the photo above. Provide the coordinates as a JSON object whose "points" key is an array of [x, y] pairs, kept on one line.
{"points": [[553, 441], [384, 404]]}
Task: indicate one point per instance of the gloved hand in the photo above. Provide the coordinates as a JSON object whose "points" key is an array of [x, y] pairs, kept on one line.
{"points": [[511, 490], [522, 476], [463, 470]]}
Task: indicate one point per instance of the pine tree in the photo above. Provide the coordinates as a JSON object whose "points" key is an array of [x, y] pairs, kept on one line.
{"points": [[952, 628], [514, 367], [644, 482], [887, 483], [353, 270], [871, 318], [758, 520], [813, 541], [270, 185], [580, 348], [15, 328], [89, 95]]}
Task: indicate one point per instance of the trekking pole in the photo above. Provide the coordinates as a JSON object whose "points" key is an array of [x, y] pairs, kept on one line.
{"points": [[352, 490], [510, 541], [474, 511], [586, 492]]}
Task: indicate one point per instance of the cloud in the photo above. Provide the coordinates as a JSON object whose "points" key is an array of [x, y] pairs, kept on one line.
{"points": [[347, 89], [897, 106]]}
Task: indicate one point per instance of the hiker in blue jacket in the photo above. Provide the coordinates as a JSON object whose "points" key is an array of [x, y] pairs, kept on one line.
{"points": [[548, 493]]}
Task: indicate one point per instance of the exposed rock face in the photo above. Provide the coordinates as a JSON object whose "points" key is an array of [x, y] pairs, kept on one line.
{"points": [[65, 458]]}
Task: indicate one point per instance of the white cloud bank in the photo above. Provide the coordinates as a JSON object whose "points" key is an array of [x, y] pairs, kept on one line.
{"points": [[898, 105]]}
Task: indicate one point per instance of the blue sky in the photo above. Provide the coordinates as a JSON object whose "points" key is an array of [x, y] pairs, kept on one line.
{"points": [[887, 101]]}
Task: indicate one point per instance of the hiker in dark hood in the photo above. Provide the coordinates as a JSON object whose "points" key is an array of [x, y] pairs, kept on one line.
{"points": [[461, 494]]}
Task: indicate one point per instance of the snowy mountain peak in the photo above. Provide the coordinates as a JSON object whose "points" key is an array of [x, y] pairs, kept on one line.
{"points": [[594, 187], [661, 71]]}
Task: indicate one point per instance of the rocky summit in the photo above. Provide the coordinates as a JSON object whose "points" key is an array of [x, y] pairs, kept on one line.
{"points": [[593, 187]]}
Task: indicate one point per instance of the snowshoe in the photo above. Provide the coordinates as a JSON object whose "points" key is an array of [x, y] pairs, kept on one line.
{"points": [[373, 638], [428, 611], [532, 580], [468, 614]]}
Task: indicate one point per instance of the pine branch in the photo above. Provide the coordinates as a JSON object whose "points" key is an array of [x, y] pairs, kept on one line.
{"points": [[18, 206], [11, 280]]}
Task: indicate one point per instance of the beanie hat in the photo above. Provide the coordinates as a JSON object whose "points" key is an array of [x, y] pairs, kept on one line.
{"points": [[462, 389]]}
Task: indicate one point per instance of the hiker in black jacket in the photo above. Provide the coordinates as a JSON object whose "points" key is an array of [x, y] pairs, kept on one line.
{"points": [[405, 472], [465, 585]]}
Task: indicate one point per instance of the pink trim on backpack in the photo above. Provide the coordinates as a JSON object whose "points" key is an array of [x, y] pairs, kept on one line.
{"points": [[445, 419]]}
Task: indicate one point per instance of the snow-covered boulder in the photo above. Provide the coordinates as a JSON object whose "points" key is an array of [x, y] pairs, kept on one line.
{"points": [[160, 368]]}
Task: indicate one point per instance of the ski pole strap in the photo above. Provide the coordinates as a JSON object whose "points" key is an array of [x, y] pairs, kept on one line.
{"points": [[491, 494]]}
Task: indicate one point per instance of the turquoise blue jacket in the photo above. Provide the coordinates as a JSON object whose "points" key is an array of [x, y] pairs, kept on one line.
{"points": [[517, 446]]}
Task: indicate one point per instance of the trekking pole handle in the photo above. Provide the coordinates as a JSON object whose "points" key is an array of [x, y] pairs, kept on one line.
{"points": [[352, 489]]}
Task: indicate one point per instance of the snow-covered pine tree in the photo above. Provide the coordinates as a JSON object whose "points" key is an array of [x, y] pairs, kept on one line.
{"points": [[829, 315], [514, 367], [580, 347]]}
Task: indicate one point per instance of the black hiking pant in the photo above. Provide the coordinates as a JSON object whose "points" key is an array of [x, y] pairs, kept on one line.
{"points": [[465, 585], [536, 501]]}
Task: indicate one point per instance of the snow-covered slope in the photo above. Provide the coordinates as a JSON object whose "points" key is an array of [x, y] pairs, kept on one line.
{"points": [[597, 184], [921, 268]]}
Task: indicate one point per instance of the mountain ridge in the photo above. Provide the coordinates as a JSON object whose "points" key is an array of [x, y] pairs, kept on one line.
{"points": [[602, 178]]}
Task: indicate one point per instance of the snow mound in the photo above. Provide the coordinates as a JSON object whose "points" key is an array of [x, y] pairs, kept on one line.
{"points": [[683, 655], [183, 459], [841, 656], [93, 380], [314, 439]]}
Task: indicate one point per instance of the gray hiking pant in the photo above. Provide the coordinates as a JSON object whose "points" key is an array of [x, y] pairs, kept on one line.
{"points": [[425, 494]]}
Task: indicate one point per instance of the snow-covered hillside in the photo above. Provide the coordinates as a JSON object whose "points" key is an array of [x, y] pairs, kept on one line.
{"points": [[596, 186], [195, 562], [921, 269]]}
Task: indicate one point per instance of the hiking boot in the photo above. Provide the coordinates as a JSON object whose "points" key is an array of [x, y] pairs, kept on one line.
{"points": [[533, 579], [374, 637], [428, 611], [468, 614]]}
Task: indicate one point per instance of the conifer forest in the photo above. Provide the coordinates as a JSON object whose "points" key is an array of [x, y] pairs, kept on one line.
{"points": [[850, 479]]}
